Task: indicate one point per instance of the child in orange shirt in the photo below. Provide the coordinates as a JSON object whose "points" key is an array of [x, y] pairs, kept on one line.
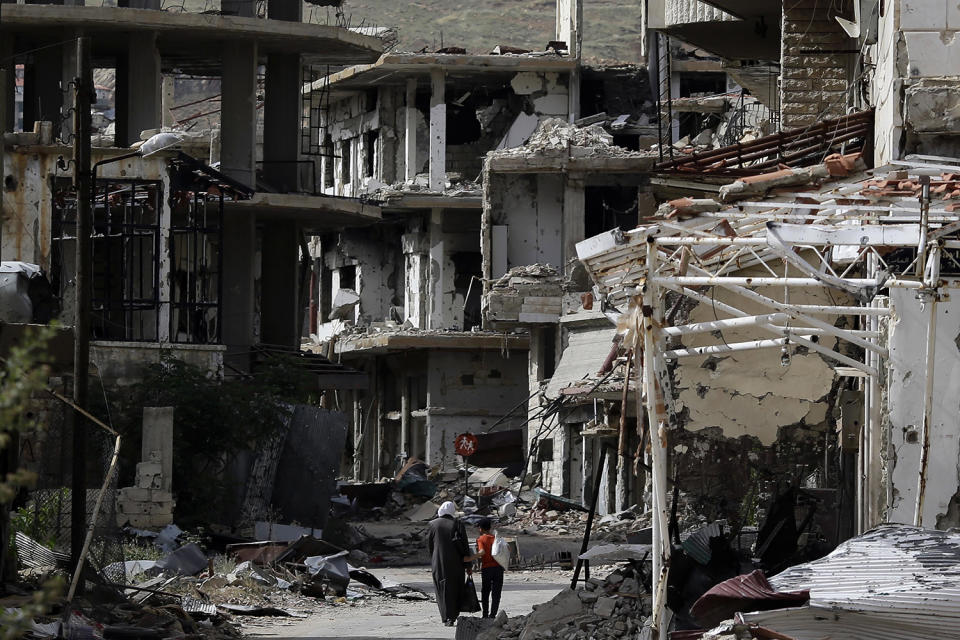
{"points": [[490, 569]]}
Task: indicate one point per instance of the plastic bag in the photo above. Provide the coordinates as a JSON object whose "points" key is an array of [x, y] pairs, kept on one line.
{"points": [[469, 603], [501, 550]]}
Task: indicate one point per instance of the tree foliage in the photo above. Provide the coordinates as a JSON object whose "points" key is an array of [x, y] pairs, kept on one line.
{"points": [[214, 421], [23, 376]]}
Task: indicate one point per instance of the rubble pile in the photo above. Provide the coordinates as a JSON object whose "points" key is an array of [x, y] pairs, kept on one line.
{"points": [[605, 609], [531, 293], [556, 134], [189, 592]]}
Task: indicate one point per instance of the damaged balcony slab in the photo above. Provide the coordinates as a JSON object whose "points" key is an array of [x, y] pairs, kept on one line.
{"points": [[447, 340], [394, 68], [315, 213]]}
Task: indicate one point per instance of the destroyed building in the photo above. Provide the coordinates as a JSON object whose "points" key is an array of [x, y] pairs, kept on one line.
{"points": [[195, 248], [401, 299]]}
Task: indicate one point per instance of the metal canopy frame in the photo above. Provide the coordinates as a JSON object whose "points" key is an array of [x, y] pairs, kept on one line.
{"points": [[840, 243]]}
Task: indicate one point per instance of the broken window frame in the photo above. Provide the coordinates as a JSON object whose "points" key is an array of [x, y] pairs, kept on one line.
{"points": [[132, 307], [198, 228]]}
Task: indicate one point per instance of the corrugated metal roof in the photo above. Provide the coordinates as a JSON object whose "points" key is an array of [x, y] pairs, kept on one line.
{"points": [[586, 350], [747, 592], [697, 543], [895, 581]]}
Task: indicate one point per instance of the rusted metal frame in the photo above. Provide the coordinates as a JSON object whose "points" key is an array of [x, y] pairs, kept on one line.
{"points": [[776, 140]]}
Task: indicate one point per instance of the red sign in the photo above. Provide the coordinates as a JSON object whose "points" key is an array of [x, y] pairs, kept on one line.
{"points": [[465, 444]]}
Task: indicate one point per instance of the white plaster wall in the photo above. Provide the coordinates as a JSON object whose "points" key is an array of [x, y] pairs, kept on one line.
{"points": [[917, 76], [885, 90], [905, 404], [749, 393], [531, 207]]}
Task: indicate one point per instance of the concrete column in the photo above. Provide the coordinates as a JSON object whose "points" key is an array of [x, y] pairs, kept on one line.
{"points": [[239, 249], [674, 94], [8, 85], [281, 122], [67, 96], [157, 442], [42, 98], [278, 284], [357, 436], [535, 375], [435, 280], [410, 131], [438, 131], [167, 102], [568, 24], [238, 121], [573, 96], [138, 94], [282, 108], [404, 445], [416, 265], [574, 219]]}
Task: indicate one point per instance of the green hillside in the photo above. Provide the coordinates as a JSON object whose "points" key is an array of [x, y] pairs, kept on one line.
{"points": [[611, 27]]}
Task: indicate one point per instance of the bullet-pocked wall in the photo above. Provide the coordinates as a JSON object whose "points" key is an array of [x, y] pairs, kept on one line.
{"points": [[471, 391], [904, 399], [754, 420], [917, 77]]}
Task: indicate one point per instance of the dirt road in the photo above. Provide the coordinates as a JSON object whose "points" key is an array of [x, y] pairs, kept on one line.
{"points": [[389, 619]]}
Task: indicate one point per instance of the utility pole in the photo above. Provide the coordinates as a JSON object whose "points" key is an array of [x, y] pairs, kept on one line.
{"points": [[83, 86]]}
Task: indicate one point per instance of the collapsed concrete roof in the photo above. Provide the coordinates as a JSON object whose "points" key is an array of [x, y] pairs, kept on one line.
{"points": [[395, 68]]}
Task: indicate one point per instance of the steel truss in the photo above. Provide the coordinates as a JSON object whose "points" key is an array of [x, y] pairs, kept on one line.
{"points": [[841, 247]]}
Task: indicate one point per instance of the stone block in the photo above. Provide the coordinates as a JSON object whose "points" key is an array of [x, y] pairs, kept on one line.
{"points": [[604, 607], [149, 468], [932, 109], [157, 441], [796, 85], [135, 494], [809, 108], [932, 54], [923, 15], [130, 508], [159, 495]]}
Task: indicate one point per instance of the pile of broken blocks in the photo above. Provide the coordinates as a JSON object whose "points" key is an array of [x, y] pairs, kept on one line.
{"points": [[604, 609]]}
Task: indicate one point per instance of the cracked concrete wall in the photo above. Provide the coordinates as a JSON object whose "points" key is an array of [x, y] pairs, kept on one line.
{"points": [[747, 422], [905, 399], [379, 281], [470, 391], [531, 207]]}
